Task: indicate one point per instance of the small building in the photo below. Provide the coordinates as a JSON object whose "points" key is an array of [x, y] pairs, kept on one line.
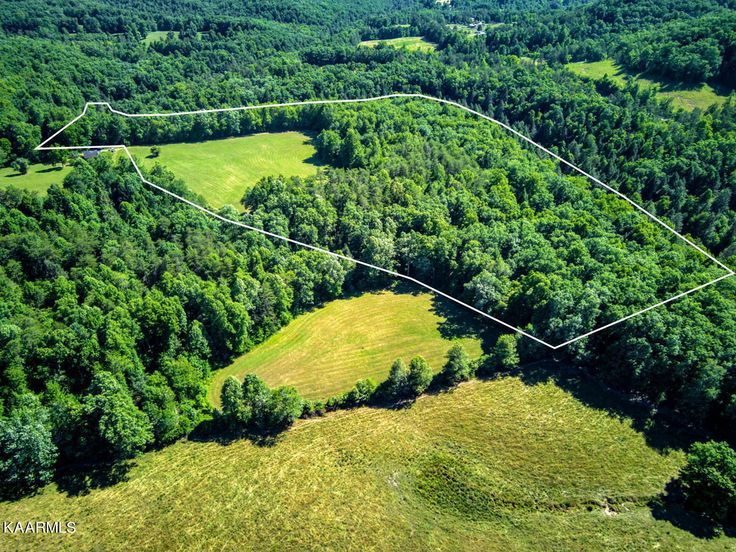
{"points": [[91, 153]]}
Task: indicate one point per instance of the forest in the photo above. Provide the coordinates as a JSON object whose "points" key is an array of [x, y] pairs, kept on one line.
{"points": [[117, 304]]}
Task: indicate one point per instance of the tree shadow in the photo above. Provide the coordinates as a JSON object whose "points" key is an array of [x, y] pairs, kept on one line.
{"points": [[669, 506], [216, 431], [49, 169], [459, 323], [80, 480], [661, 430]]}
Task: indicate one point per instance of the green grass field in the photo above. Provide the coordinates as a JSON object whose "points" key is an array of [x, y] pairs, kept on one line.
{"points": [[498, 465], [409, 42], [325, 351], [701, 96], [221, 170], [155, 36], [38, 178]]}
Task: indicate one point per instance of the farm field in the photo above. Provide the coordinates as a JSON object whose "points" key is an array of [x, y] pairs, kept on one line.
{"points": [[688, 98], [38, 178], [325, 351], [509, 464], [409, 42], [221, 170]]}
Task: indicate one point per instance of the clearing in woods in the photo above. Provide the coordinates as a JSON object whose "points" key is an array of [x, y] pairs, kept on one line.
{"points": [[685, 96], [408, 42], [325, 351], [38, 178], [222, 170]]}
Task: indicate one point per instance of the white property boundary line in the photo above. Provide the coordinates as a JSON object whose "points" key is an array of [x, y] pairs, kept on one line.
{"points": [[42, 147]]}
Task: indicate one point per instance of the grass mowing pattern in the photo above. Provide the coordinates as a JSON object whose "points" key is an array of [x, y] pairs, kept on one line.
{"points": [[508, 464], [221, 170], [412, 43], [325, 351], [687, 97], [38, 178]]}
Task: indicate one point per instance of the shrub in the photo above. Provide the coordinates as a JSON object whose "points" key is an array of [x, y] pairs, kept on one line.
{"points": [[313, 408], [361, 393], [333, 403]]}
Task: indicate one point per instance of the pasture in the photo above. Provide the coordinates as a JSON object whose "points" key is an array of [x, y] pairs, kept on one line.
{"points": [[536, 462], [686, 97], [325, 351], [38, 178], [222, 170]]}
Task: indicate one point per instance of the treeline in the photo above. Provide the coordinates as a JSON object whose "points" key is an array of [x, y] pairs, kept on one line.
{"points": [[39, 19], [592, 30], [252, 407], [692, 51]]}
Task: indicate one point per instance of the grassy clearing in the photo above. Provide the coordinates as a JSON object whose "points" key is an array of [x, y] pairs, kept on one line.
{"points": [[411, 43], [157, 36], [686, 97], [38, 178], [221, 170], [467, 29], [325, 351], [500, 465]]}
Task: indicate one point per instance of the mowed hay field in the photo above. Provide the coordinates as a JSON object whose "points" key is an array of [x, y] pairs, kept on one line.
{"points": [[325, 351], [38, 178], [222, 170], [495, 465], [686, 97], [412, 43]]}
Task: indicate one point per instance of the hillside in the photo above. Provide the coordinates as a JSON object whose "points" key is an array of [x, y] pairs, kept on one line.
{"points": [[514, 463]]}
